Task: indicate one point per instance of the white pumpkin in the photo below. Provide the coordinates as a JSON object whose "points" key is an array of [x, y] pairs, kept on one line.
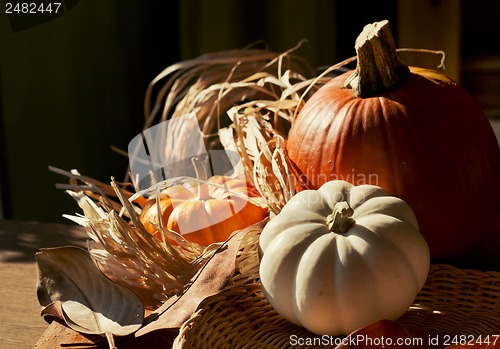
{"points": [[340, 257]]}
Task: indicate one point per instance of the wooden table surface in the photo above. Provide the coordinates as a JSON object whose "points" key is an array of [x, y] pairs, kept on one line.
{"points": [[20, 322]]}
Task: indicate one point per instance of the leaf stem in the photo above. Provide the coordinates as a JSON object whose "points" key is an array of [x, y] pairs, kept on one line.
{"points": [[111, 341]]}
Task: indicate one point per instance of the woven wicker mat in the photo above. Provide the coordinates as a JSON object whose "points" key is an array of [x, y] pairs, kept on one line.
{"points": [[453, 301]]}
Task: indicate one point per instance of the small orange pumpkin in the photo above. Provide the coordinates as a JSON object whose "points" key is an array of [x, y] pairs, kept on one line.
{"points": [[203, 213]]}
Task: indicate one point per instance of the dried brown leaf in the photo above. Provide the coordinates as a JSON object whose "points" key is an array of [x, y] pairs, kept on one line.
{"points": [[211, 279], [70, 285], [53, 310]]}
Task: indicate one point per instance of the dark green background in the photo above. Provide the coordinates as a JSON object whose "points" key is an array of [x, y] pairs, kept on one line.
{"points": [[73, 87]]}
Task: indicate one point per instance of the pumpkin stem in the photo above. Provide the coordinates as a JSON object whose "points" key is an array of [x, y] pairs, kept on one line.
{"points": [[378, 66], [201, 174], [340, 220]]}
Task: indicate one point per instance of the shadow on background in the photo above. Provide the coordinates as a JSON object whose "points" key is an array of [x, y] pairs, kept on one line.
{"points": [[19, 241]]}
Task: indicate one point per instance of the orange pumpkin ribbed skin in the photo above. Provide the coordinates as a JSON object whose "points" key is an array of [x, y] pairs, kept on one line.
{"points": [[427, 142], [207, 219]]}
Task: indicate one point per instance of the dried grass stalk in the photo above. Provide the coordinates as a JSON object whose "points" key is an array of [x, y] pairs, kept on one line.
{"points": [[263, 155], [260, 132], [211, 84], [121, 247], [130, 256]]}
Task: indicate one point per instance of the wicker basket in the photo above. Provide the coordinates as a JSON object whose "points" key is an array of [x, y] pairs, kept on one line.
{"points": [[456, 301], [452, 302]]}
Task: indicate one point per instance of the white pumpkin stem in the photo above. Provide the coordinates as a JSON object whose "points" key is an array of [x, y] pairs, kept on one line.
{"points": [[201, 174], [378, 68], [341, 219]]}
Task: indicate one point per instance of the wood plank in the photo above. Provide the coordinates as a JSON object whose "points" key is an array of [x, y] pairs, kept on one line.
{"points": [[59, 335], [20, 322], [20, 240]]}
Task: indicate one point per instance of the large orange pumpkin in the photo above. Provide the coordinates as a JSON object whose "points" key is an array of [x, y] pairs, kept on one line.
{"points": [[203, 213], [414, 132]]}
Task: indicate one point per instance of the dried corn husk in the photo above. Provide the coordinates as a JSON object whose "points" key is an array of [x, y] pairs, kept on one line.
{"points": [[211, 84], [128, 255]]}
